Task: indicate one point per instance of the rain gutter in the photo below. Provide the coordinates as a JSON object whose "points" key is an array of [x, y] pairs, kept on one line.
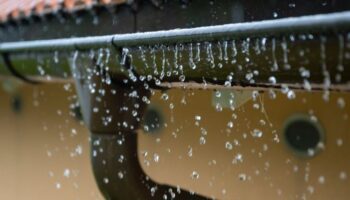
{"points": [[334, 26], [315, 23]]}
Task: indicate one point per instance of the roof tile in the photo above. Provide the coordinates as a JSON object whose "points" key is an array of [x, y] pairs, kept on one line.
{"points": [[23, 8]]}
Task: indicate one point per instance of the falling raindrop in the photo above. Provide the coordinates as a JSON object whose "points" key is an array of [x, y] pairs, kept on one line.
{"points": [[195, 175], [218, 94], [55, 57], [190, 152], [125, 53], [274, 59], [339, 142], [321, 179], [218, 107], [291, 94], [285, 54], [341, 103], [120, 175], [242, 177], [272, 80], [257, 133], [234, 52], [202, 140], [165, 96], [275, 14], [191, 62], [225, 44], [58, 185], [197, 118], [66, 173], [228, 145], [230, 124], [156, 157], [237, 159], [343, 175]]}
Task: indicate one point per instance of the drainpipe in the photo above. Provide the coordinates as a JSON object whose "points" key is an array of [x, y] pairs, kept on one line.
{"points": [[113, 130]]}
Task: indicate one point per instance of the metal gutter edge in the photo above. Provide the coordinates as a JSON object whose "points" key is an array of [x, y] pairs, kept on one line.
{"points": [[312, 24]]}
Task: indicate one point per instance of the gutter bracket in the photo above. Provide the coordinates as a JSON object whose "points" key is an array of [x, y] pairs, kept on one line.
{"points": [[8, 64]]}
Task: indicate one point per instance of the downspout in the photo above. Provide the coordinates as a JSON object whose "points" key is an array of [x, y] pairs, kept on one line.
{"points": [[114, 154]]}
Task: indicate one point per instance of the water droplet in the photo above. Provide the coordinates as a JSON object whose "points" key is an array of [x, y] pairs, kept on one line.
{"points": [[256, 106], [257, 133], [218, 107], [95, 109], [182, 78], [195, 175], [210, 57], [275, 14], [272, 80], [202, 140], [343, 175], [274, 59], [263, 44], [203, 131], [125, 53], [190, 57], [237, 159], [228, 145], [291, 5], [307, 85], [234, 52], [74, 131], [249, 76], [198, 52], [153, 191], [121, 159], [156, 157], [58, 185], [262, 122], [305, 73], [272, 94], [55, 57], [245, 46], [339, 142], [218, 94], [321, 179], [66, 173], [341, 102], [165, 96], [291, 94], [190, 152], [242, 177], [197, 118], [225, 44], [285, 54], [230, 124], [255, 95], [120, 175], [340, 66]]}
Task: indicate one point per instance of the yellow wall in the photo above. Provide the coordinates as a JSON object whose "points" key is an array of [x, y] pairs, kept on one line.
{"points": [[37, 146], [39, 141], [273, 171]]}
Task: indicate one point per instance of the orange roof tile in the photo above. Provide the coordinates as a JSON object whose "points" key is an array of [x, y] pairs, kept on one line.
{"points": [[23, 8]]}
